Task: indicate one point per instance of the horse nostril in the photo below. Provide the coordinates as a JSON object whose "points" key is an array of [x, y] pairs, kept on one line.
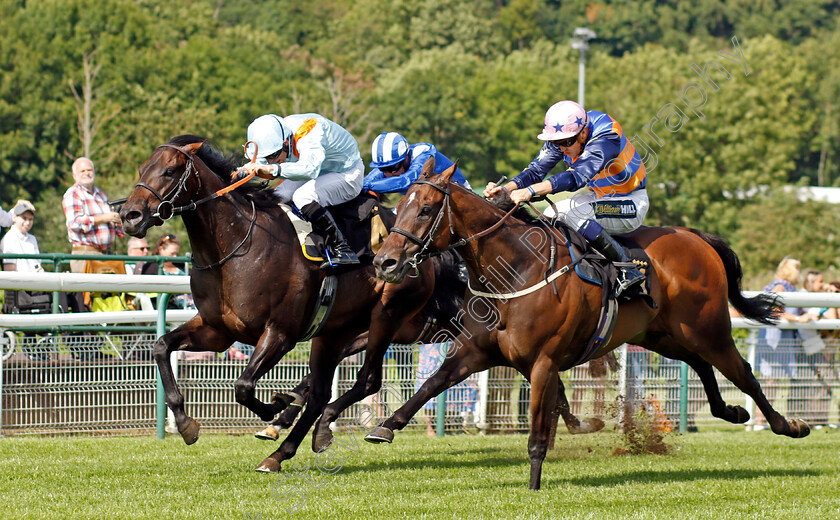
{"points": [[387, 264], [131, 216]]}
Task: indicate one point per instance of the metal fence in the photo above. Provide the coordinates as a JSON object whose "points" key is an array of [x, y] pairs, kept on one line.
{"points": [[105, 384]]}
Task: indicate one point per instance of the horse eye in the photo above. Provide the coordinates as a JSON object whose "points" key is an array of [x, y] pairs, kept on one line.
{"points": [[168, 171], [425, 211]]}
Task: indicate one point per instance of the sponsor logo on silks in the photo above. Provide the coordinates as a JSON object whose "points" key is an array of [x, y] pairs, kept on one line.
{"points": [[614, 209]]}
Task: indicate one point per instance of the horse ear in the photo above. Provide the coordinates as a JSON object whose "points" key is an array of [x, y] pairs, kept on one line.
{"points": [[429, 167], [192, 148], [449, 172]]}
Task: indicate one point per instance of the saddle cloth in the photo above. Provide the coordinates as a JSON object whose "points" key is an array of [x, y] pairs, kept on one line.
{"points": [[593, 268], [360, 220]]}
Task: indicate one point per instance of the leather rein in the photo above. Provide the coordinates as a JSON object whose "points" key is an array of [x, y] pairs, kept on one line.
{"points": [[425, 243], [166, 208], [423, 254]]}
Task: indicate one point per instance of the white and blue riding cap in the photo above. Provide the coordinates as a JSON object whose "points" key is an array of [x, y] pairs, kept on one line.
{"points": [[270, 133], [388, 149]]}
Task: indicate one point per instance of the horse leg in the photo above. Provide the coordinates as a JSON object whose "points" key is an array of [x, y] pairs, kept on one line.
{"points": [[573, 424], [193, 335], [667, 347], [271, 347], [544, 392], [368, 381], [301, 392], [720, 351], [322, 364], [286, 417], [464, 362]]}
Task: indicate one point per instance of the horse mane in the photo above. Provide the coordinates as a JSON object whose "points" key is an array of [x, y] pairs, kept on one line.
{"points": [[223, 166]]}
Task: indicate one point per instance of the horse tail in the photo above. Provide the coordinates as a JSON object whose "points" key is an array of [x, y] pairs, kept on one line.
{"points": [[763, 308]]}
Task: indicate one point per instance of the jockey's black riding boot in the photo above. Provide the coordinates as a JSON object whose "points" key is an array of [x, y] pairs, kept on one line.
{"points": [[611, 249], [337, 249]]}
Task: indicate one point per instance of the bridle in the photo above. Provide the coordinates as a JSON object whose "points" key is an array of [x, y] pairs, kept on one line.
{"points": [[425, 253], [166, 208]]}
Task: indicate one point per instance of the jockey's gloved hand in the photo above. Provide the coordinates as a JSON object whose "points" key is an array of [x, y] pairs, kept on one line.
{"points": [[241, 175]]}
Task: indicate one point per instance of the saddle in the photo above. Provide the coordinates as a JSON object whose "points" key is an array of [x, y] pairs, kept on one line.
{"points": [[364, 223], [592, 267]]}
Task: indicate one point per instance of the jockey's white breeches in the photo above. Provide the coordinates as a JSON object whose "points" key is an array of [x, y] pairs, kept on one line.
{"points": [[327, 189], [621, 214]]}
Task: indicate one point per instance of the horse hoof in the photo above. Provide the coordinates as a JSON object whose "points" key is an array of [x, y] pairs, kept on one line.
{"points": [[799, 428], [322, 441], [379, 435], [591, 425], [190, 432], [270, 433], [281, 401], [269, 465], [742, 415]]}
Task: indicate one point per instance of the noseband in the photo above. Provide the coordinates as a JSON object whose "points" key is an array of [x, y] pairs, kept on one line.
{"points": [[166, 208], [430, 236]]}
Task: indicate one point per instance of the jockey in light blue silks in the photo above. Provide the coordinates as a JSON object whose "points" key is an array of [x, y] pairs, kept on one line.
{"points": [[322, 165], [599, 156], [396, 164]]}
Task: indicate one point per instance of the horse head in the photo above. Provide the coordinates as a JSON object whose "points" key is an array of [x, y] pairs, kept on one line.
{"points": [[420, 228], [169, 180]]}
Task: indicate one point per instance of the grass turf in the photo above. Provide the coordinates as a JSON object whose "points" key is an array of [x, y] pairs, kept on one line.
{"points": [[715, 475]]}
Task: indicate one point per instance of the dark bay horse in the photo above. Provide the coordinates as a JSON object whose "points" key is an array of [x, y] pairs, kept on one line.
{"points": [[543, 332], [251, 283]]}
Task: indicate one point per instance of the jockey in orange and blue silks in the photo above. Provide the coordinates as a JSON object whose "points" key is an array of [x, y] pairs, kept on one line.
{"points": [[396, 164], [597, 155]]}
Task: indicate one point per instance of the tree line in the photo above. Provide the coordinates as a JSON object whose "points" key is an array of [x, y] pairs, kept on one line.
{"points": [[112, 79]]}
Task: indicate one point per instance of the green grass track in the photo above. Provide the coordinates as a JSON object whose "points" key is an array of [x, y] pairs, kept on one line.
{"points": [[708, 475]]}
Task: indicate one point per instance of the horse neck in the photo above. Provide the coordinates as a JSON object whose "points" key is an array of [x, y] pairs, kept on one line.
{"points": [[216, 224], [510, 257]]}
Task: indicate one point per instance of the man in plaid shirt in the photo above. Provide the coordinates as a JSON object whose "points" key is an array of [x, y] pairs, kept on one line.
{"points": [[91, 224]]}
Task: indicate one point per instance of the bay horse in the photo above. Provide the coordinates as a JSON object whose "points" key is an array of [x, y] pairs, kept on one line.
{"points": [[252, 283], [543, 332], [436, 322]]}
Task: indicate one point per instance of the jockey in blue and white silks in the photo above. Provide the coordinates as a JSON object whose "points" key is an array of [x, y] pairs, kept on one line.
{"points": [[322, 165], [596, 155], [396, 164]]}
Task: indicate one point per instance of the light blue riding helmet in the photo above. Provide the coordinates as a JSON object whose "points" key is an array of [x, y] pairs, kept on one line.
{"points": [[270, 133], [388, 149]]}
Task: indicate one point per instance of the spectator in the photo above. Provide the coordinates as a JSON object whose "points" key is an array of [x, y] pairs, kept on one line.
{"points": [[136, 247], [396, 164], [169, 245], [7, 217], [810, 393], [92, 226], [18, 240], [774, 352], [460, 399]]}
